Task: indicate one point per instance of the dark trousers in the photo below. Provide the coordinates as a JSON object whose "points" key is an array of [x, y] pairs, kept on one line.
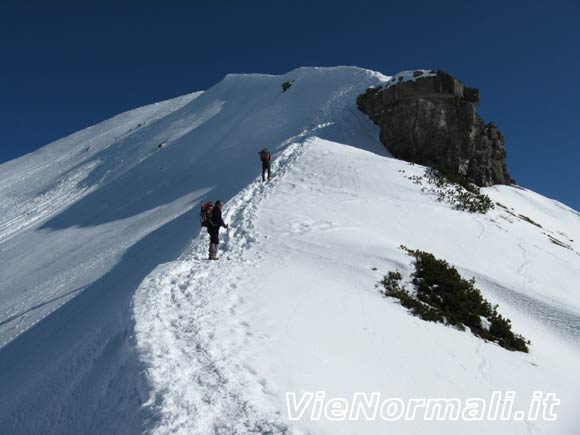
{"points": [[214, 234], [214, 240], [265, 169]]}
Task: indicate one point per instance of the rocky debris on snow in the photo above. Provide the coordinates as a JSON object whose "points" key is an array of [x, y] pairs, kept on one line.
{"points": [[511, 211], [429, 117], [287, 85], [557, 242], [529, 220]]}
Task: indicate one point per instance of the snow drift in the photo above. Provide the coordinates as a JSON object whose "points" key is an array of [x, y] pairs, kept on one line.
{"points": [[112, 322]]}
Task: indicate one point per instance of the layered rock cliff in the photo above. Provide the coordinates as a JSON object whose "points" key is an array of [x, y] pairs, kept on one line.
{"points": [[429, 117]]}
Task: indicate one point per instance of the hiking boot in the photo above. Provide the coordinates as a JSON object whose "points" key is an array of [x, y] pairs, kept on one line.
{"points": [[213, 251]]}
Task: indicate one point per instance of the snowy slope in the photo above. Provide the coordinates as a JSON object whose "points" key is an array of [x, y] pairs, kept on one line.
{"points": [[295, 307], [91, 215], [112, 322]]}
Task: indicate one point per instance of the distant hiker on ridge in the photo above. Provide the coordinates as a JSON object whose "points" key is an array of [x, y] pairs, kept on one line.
{"points": [[265, 157], [211, 217]]}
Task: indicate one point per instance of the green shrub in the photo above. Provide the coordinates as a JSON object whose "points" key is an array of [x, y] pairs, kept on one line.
{"points": [[442, 295], [454, 190], [392, 287]]}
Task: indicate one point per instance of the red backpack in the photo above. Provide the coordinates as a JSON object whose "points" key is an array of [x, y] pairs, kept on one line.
{"points": [[265, 156], [205, 213]]}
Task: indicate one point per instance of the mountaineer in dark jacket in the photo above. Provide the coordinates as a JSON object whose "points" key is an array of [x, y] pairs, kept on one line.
{"points": [[214, 229], [265, 157]]}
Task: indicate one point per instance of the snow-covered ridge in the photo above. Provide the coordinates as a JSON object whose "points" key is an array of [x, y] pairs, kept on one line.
{"points": [[112, 322], [89, 216], [298, 287]]}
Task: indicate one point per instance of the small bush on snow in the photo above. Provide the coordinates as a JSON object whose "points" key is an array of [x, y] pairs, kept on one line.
{"points": [[453, 190], [442, 295]]}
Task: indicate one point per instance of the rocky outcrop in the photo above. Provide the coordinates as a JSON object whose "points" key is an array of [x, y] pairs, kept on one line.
{"points": [[429, 118]]}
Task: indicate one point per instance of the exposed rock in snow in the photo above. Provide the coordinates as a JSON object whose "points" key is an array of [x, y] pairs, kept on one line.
{"points": [[430, 118]]}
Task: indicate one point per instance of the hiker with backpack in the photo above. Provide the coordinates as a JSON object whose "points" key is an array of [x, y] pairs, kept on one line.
{"points": [[211, 218], [265, 157]]}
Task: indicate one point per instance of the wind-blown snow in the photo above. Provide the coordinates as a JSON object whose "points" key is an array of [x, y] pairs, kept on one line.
{"points": [[112, 321]]}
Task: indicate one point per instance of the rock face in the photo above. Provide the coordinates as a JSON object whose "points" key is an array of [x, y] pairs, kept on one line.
{"points": [[430, 119]]}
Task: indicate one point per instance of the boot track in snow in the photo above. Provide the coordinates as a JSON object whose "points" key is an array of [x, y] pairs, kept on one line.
{"points": [[197, 385]]}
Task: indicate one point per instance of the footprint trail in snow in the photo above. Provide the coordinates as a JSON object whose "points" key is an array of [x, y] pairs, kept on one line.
{"points": [[197, 380]]}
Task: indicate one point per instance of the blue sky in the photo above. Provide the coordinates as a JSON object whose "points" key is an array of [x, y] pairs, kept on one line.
{"points": [[67, 65]]}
